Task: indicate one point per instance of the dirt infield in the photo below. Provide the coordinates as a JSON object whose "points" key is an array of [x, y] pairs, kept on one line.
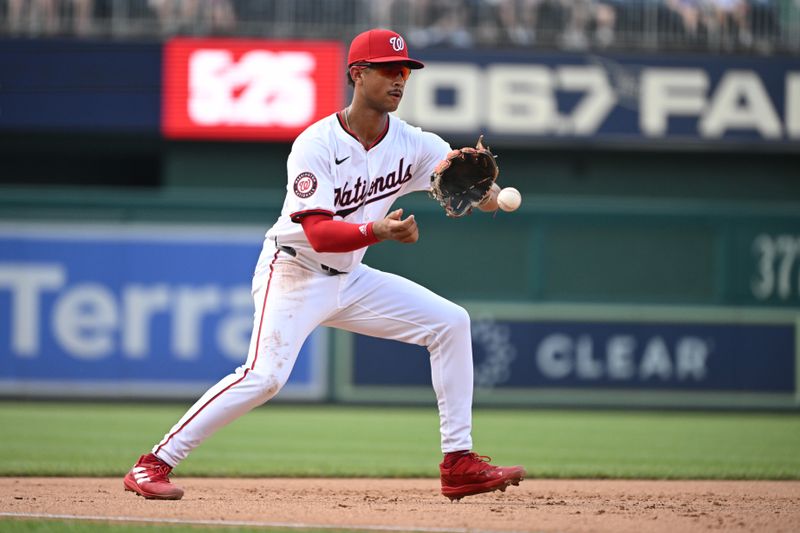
{"points": [[415, 504]]}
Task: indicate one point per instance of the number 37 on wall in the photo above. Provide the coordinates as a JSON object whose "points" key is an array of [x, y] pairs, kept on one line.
{"points": [[777, 268]]}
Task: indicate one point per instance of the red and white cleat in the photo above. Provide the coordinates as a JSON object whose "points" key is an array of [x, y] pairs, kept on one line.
{"points": [[469, 473], [149, 477]]}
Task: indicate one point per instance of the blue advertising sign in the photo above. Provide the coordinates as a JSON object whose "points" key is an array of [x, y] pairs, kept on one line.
{"points": [[518, 96], [80, 86], [132, 311], [579, 355]]}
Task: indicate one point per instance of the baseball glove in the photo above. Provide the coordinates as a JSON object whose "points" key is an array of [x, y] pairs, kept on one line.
{"points": [[463, 179]]}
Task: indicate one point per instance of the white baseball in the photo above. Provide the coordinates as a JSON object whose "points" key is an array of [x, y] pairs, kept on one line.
{"points": [[509, 199]]}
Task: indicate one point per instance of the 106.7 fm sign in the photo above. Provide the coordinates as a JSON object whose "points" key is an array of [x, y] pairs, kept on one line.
{"points": [[249, 89]]}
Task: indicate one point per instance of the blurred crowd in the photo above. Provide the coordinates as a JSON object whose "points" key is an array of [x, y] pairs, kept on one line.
{"points": [[759, 25], [581, 24], [87, 17]]}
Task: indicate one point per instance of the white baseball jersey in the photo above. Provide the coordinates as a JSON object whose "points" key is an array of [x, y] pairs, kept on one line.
{"points": [[330, 172]]}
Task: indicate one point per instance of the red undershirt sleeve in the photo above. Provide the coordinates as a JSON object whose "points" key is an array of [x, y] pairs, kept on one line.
{"points": [[328, 235]]}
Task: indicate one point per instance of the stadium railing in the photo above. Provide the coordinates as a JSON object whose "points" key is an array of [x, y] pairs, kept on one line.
{"points": [[751, 26]]}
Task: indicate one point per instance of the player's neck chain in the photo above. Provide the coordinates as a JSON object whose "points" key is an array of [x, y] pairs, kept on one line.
{"points": [[347, 123], [347, 117]]}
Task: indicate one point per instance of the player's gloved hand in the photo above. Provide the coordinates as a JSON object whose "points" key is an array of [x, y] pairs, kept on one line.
{"points": [[394, 228], [464, 179]]}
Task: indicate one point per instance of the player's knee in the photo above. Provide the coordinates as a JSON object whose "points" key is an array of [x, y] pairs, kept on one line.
{"points": [[451, 321], [462, 317], [456, 318]]}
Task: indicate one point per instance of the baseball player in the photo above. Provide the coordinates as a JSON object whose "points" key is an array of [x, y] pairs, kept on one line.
{"points": [[344, 174]]}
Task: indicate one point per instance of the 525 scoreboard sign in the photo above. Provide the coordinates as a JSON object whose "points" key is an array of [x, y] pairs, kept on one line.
{"points": [[249, 89]]}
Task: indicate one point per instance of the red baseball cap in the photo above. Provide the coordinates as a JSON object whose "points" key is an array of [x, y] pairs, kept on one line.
{"points": [[380, 46]]}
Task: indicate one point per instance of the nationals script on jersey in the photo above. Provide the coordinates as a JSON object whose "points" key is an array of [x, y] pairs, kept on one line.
{"points": [[330, 172]]}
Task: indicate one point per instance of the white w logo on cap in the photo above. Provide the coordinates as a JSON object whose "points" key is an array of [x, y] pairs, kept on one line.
{"points": [[397, 43]]}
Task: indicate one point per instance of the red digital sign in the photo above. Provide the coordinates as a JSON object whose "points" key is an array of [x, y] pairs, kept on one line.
{"points": [[238, 89]]}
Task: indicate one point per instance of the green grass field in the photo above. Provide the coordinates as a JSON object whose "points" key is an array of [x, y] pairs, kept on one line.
{"points": [[81, 439]]}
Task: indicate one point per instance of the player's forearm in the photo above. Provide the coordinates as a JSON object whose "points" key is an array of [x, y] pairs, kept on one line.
{"points": [[328, 235]]}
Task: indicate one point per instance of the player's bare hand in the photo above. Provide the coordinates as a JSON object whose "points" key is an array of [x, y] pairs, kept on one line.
{"points": [[395, 228], [489, 203]]}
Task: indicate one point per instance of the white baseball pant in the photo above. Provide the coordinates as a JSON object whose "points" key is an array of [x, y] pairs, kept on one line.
{"points": [[292, 297]]}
